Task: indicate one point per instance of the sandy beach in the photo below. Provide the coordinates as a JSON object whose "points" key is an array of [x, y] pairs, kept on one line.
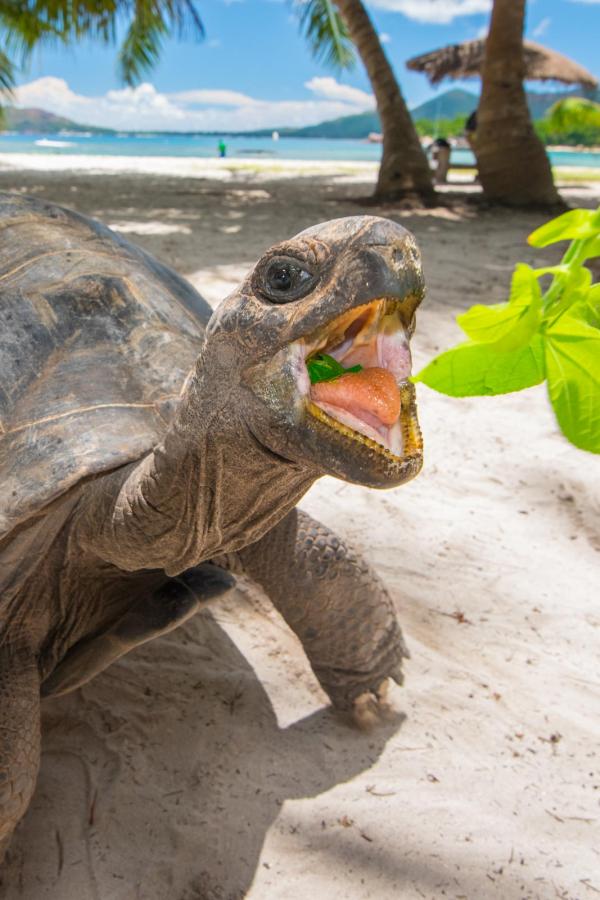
{"points": [[207, 764]]}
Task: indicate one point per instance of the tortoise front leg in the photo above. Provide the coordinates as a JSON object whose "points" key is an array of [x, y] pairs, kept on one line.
{"points": [[149, 617], [19, 736], [336, 605]]}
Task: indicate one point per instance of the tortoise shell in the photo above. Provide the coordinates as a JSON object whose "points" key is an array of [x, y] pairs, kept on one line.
{"points": [[96, 341]]}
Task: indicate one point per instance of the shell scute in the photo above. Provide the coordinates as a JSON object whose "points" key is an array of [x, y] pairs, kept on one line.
{"points": [[96, 340]]}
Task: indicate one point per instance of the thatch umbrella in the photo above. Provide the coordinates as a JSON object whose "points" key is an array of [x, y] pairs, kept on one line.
{"points": [[466, 60]]}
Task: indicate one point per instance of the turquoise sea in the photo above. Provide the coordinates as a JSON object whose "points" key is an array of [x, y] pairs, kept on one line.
{"points": [[238, 147]]}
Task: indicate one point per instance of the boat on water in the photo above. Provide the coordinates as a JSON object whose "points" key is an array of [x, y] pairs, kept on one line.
{"points": [[48, 142]]}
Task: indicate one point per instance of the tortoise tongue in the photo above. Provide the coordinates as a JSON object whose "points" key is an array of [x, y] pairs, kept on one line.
{"points": [[371, 395]]}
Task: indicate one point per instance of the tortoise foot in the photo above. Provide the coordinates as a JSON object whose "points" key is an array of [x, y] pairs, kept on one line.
{"points": [[373, 707]]}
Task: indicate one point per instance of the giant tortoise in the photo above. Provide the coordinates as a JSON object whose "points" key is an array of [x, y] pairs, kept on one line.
{"points": [[149, 448]]}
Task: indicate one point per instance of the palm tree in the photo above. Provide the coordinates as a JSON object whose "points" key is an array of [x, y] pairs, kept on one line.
{"points": [[27, 23], [404, 169], [512, 163]]}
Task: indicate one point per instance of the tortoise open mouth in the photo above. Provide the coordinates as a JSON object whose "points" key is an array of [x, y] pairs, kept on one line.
{"points": [[376, 405]]}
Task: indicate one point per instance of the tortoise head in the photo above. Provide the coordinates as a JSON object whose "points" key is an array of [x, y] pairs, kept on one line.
{"points": [[348, 288]]}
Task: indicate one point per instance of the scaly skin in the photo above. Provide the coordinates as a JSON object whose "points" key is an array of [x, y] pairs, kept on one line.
{"points": [[97, 530], [19, 736], [334, 602]]}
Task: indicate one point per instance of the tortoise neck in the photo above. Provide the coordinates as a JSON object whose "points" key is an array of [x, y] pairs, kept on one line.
{"points": [[209, 488]]}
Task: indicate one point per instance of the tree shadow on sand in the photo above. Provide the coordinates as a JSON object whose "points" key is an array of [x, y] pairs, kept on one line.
{"points": [[162, 777]]}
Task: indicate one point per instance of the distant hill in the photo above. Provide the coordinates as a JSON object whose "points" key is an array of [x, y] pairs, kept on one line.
{"points": [[357, 126], [457, 102], [451, 104], [448, 105], [38, 121]]}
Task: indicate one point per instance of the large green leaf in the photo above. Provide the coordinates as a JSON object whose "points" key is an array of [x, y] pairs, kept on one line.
{"points": [[474, 369], [587, 307], [507, 326], [591, 248], [573, 371], [577, 223], [574, 287]]}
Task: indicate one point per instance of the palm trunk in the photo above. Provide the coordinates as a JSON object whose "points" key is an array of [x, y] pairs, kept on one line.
{"points": [[404, 169], [513, 165]]}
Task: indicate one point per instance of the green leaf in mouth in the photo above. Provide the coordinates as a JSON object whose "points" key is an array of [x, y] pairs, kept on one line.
{"points": [[322, 367]]}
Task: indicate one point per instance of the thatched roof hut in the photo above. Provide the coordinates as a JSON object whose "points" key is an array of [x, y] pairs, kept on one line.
{"points": [[466, 60]]}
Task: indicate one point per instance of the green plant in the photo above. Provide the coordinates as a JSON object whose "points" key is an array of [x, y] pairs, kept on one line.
{"points": [[27, 24], [440, 127], [573, 120], [573, 112], [534, 337], [323, 367]]}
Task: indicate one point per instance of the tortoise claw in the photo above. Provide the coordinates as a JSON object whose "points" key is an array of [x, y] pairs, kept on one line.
{"points": [[398, 675], [372, 708]]}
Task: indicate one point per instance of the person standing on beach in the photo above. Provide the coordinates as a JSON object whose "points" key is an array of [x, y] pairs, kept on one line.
{"points": [[222, 146], [440, 154], [471, 130]]}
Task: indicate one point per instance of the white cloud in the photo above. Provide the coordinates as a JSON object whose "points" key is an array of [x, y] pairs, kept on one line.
{"points": [[542, 27], [145, 108], [212, 97], [332, 90], [385, 38], [439, 12]]}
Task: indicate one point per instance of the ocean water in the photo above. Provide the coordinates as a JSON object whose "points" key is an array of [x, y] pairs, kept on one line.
{"points": [[238, 147]]}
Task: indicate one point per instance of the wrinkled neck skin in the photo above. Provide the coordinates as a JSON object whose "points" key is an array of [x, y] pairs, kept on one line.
{"points": [[211, 487]]}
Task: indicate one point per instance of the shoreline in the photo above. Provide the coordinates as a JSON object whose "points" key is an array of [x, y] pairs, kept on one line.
{"points": [[183, 167], [225, 169], [569, 148]]}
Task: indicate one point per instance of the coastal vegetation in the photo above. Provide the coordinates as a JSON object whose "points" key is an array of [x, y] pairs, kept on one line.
{"points": [[573, 120]]}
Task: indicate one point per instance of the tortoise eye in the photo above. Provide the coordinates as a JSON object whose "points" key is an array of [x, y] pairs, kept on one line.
{"points": [[285, 280]]}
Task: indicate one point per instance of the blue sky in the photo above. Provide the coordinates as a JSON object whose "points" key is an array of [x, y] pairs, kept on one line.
{"points": [[254, 70]]}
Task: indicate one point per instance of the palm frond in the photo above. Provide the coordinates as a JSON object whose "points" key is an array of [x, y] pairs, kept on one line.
{"points": [[326, 33], [27, 23], [140, 50], [7, 75]]}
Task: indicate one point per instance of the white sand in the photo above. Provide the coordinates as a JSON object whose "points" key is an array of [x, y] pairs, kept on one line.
{"points": [[206, 766], [184, 166]]}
